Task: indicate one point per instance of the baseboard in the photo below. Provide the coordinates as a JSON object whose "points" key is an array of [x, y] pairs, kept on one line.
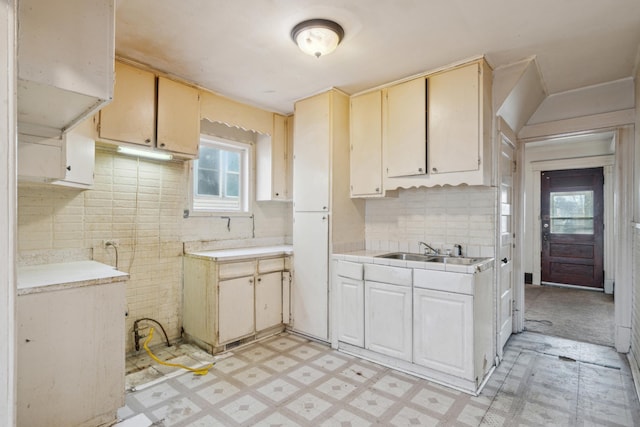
{"points": [[635, 372]]}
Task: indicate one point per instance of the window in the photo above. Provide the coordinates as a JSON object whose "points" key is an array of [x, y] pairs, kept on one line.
{"points": [[221, 176], [571, 212]]}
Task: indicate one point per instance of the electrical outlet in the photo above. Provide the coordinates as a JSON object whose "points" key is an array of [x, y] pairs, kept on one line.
{"points": [[110, 242]]}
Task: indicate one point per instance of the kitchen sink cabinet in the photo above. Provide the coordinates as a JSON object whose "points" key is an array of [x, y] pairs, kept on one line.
{"points": [[454, 351], [350, 304], [432, 323], [226, 302], [387, 320], [161, 114], [366, 145], [463, 303]]}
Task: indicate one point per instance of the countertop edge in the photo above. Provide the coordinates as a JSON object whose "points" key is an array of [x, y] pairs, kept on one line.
{"points": [[72, 285]]}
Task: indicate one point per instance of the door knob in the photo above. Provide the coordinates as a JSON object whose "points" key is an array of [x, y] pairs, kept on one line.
{"points": [[504, 260]]}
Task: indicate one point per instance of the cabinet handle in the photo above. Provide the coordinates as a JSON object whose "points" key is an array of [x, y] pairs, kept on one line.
{"points": [[148, 140], [504, 260]]}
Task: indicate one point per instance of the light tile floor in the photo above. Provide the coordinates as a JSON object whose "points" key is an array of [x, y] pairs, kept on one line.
{"points": [[287, 380]]}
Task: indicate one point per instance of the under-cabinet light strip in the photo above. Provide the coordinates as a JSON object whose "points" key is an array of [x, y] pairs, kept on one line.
{"points": [[145, 153]]}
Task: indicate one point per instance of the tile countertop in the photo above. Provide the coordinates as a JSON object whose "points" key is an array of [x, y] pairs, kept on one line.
{"points": [[53, 277], [243, 253], [370, 257]]}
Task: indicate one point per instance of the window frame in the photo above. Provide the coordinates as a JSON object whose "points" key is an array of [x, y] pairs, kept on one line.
{"points": [[246, 179]]}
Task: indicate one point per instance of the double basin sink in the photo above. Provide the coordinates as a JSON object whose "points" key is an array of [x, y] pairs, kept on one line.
{"points": [[447, 259]]}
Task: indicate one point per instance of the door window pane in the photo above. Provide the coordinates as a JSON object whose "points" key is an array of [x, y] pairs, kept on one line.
{"points": [[571, 212]]}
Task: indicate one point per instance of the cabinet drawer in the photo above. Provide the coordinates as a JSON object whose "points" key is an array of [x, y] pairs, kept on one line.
{"points": [[385, 274], [458, 283], [269, 265], [236, 269], [351, 270]]}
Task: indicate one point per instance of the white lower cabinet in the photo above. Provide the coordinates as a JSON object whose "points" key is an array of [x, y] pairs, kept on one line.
{"points": [[454, 350], [225, 302], [351, 311], [432, 323], [388, 319], [235, 309], [268, 300]]}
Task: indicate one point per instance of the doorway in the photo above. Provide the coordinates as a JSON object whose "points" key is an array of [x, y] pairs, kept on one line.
{"points": [[572, 216]]}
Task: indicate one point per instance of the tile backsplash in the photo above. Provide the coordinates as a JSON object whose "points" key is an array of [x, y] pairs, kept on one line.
{"points": [[140, 205], [440, 217]]}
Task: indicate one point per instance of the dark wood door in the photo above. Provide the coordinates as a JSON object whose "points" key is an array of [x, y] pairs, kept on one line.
{"points": [[572, 227]]}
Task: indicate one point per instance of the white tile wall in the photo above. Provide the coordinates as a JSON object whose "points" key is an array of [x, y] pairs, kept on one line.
{"points": [[439, 216], [140, 204]]}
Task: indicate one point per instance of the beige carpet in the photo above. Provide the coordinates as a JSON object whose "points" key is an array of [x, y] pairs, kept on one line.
{"points": [[575, 314]]}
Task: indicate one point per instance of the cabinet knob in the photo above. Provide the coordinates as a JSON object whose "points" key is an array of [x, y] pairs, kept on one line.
{"points": [[434, 170], [250, 280], [277, 194], [377, 190], [148, 140], [504, 260], [259, 279], [162, 144], [419, 169], [69, 168], [324, 208]]}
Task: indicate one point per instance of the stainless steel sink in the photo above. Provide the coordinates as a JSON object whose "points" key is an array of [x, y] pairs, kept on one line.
{"points": [[406, 256]]}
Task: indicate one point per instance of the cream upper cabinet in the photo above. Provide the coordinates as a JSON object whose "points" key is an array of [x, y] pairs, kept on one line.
{"points": [[178, 117], [312, 150], [366, 145], [272, 162], [406, 134], [130, 117], [172, 123], [454, 126]]}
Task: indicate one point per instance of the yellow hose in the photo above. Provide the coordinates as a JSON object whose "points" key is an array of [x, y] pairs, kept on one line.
{"points": [[198, 371]]}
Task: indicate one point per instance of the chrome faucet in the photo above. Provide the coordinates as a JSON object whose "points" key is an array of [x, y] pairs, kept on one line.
{"points": [[428, 250], [457, 250]]}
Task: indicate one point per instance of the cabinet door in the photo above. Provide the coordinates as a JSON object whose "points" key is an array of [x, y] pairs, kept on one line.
{"points": [[388, 319], [443, 332], [178, 117], [406, 135], [268, 300], [130, 117], [310, 291], [311, 150], [79, 149], [351, 311], [454, 120], [272, 166], [366, 144], [235, 309]]}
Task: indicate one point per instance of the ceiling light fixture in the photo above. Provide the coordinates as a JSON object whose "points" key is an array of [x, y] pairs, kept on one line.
{"points": [[317, 37], [155, 155]]}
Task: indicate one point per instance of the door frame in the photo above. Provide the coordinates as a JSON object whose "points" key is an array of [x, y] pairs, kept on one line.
{"points": [[505, 132], [607, 163]]}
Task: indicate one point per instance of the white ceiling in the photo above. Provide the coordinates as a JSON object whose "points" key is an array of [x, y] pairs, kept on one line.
{"points": [[242, 48]]}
